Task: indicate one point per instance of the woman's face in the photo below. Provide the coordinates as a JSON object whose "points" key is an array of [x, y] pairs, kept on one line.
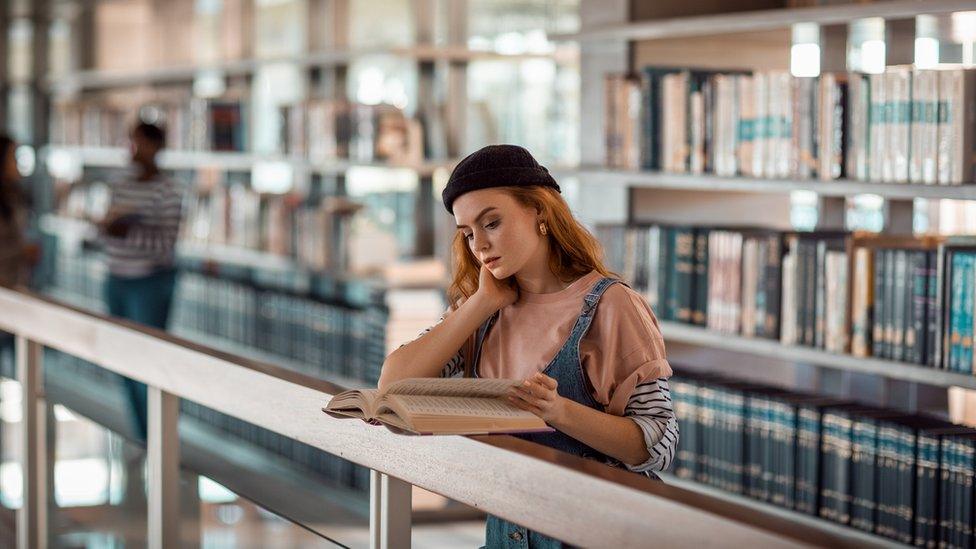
{"points": [[501, 233]]}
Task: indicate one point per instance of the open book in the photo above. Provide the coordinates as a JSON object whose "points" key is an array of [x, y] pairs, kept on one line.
{"points": [[439, 406]]}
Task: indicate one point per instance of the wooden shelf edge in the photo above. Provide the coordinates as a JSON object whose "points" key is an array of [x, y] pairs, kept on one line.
{"points": [[715, 183], [96, 79], [695, 335], [760, 20], [118, 157]]}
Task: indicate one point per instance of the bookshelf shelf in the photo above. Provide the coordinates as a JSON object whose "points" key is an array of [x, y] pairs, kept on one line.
{"points": [[69, 227], [118, 157], [184, 73], [707, 182], [695, 335], [855, 537], [761, 20]]}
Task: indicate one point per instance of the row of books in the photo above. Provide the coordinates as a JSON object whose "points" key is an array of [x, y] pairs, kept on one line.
{"points": [[901, 476], [325, 325], [325, 338], [192, 123], [311, 230], [326, 129], [908, 299], [319, 130], [904, 125]]}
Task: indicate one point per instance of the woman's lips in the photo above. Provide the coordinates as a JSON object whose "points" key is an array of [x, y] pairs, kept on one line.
{"points": [[491, 261]]}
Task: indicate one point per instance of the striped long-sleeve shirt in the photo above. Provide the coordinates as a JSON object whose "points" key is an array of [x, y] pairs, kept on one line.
{"points": [[149, 246], [649, 406]]}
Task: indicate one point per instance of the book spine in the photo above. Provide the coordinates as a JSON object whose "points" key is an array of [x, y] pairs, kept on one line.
{"points": [[701, 278], [931, 312], [917, 336], [809, 308], [861, 297], [925, 503], [891, 274], [955, 313], [966, 331], [820, 297], [665, 276], [684, 272], [878, 338], [772, 287], [900, 299]]}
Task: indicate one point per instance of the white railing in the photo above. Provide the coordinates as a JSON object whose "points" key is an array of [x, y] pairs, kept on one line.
{"points": [[580, 501]]}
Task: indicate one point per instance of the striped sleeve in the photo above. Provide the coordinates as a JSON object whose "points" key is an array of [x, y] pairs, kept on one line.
{"points": [[651, 408], [455, 366]]}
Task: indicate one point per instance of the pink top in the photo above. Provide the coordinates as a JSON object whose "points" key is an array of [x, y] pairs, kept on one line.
{"points": [[622, 348]]}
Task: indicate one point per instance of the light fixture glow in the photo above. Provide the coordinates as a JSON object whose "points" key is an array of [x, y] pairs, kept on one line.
{"points": [[805, 60], [926, 53]]}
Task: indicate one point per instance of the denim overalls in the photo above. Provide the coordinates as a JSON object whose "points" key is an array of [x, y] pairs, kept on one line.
{"points": [[573, 384]]}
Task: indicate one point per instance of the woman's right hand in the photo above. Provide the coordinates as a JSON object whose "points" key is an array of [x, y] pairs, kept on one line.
{"points": [[495, 293]]}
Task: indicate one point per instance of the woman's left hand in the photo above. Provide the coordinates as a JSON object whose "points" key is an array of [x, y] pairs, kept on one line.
{"points": [[537, 394]]}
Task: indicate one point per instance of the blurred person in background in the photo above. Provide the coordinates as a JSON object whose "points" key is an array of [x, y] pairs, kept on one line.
{"points": [[139, 233], [16, 253]]}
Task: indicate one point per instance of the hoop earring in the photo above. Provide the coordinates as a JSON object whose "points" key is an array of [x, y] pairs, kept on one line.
{"points": [[543, 229]]}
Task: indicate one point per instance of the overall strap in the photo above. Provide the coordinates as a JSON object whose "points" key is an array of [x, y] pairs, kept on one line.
{"points": [[590, 301], [471, 370]]}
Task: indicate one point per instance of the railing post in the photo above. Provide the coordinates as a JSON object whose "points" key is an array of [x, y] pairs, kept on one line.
{"points": [[389, 511], [32, 517], [163, 459]]}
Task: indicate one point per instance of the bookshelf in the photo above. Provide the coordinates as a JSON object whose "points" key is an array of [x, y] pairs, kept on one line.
{"points": [[335, 42], [611, 42], [622, 38]]}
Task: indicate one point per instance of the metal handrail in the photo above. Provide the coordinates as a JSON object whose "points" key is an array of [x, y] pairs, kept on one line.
{"points": [[580, 501]]}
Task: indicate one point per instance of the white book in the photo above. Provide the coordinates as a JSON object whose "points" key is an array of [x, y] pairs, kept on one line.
{"points": [[899, 86], [760, 95], [746, 130], [956, 122], [788, 309], [877, 128]]}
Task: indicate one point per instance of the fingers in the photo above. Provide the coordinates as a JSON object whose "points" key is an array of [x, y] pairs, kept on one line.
{"points": [[522, 403], [536, 389], [546, 380]]}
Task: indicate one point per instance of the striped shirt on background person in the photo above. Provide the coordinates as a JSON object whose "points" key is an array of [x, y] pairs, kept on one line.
{"points": [[150, 244], [649, 406]]}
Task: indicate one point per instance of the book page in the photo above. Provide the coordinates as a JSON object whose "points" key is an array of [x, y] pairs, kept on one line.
{"points": [[457, 406], [453, 387], [361, 399]]}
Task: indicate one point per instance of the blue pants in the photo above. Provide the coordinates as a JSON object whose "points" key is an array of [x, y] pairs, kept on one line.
{"points": [[145, 300]]}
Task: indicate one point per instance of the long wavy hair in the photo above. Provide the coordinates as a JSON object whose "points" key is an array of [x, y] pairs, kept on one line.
{"points": [[573, 250], [8, 193]]}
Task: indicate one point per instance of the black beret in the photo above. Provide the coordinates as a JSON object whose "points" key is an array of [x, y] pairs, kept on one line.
{"points": [[495, 166]]}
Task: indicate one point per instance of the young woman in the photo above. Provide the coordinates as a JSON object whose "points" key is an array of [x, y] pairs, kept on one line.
{"points": [[14, 253], [532, 300]]}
